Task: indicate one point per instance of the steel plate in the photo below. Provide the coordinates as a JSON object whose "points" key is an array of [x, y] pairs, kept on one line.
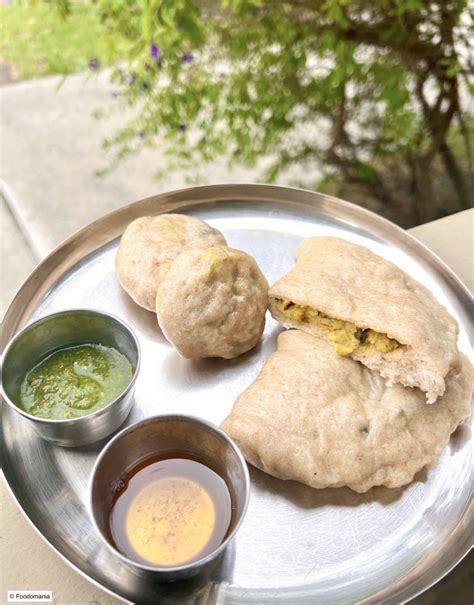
{"points": [[297, 545]]}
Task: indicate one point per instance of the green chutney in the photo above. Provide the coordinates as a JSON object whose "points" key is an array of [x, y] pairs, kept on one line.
{"points": [[75, 381]]}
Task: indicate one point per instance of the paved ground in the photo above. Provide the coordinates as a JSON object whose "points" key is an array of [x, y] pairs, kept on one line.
{"points": [[17, 259]]}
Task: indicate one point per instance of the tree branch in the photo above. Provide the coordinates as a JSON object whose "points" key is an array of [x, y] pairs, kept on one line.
{"points": [[361, 32], [456, 175]]}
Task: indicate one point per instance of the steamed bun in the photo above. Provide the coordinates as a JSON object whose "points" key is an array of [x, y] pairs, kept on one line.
{"points": [[150, 244], [212, 303]]}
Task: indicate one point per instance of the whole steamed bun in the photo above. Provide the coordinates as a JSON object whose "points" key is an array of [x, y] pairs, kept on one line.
{"points": [[150, 244], [212, 303]]}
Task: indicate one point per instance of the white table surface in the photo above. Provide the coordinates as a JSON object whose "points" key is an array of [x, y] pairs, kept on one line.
{"points": [[28, 563]]}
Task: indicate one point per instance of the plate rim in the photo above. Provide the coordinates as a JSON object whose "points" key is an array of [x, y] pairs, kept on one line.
{"points": [[179, 199]]}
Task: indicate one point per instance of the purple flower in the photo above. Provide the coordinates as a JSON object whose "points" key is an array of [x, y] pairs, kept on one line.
{"points": [[131, 79], [94, 64], [114, 94], [187, 58], [154, 52], [141, 135]]}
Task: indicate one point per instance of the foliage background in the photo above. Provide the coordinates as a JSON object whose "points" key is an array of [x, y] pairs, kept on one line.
{"points": [[368, 100]]}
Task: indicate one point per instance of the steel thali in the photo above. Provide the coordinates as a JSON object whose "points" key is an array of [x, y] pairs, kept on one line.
{"points": [[297, 545]]}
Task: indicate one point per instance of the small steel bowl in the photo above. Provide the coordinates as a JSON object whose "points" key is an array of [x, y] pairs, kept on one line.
{"points": [[161, 434], [56, 331]]}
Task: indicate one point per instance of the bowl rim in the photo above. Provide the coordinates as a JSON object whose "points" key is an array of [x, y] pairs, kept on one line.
{"points": [[96, 413], [170, 418]]}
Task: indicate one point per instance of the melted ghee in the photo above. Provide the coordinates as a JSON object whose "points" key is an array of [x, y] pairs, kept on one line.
{"points": [[170, 512]]}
